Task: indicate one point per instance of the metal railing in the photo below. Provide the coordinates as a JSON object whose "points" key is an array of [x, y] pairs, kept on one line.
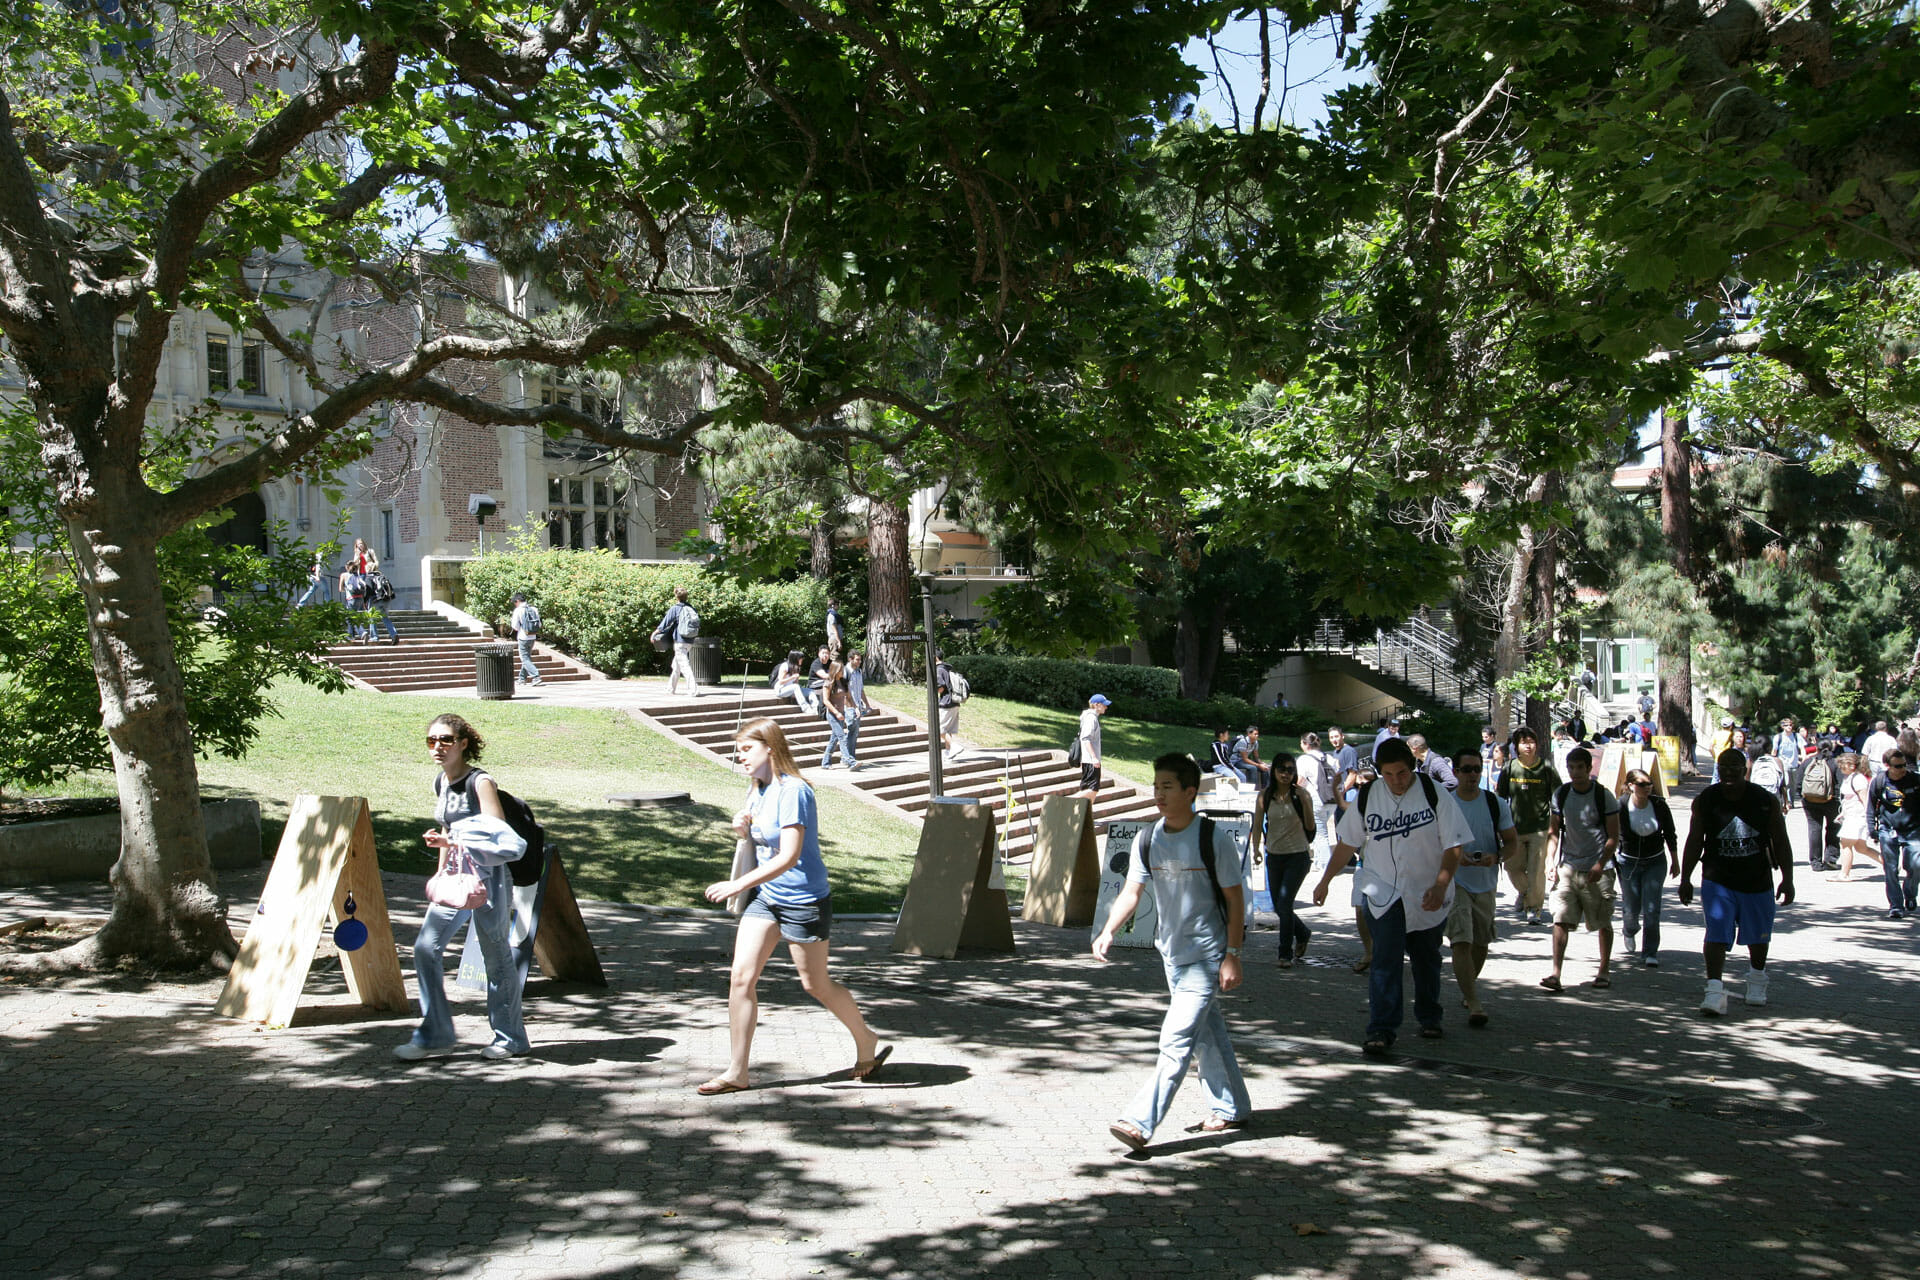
{"points": [[1419, 654]]}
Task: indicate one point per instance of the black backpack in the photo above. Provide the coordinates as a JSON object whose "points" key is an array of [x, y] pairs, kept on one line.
{"points": [[1145, 839], [1426, 784], [525, 871]]}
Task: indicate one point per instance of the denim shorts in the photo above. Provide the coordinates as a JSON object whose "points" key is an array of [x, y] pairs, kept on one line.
{"points": [[809, 922], [1724, 909]]}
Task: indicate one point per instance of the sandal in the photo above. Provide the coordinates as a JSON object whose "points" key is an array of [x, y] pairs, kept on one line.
{"points": [[1552, 983], [1376, 1046], [1217, 1123], [718, 1086], [1129, 1135], [1603, 981], [871, 1067]]}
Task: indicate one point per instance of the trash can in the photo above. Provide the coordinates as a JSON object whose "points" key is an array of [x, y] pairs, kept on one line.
{"points": [[706, 661], [493, 671]]}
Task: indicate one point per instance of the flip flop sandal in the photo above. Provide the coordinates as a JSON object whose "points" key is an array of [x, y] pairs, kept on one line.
{"points": [[1603, 981], [1130, 1138], [871, 1067], [1552, 984], [716, 1086]]}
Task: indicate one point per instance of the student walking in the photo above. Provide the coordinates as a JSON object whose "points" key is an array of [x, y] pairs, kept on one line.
{"points": [[680, 624], [1476, 885], [1649, 853], [1737, 836], [462, 793], [1194, 869], [1283, 825], [790, 899]]}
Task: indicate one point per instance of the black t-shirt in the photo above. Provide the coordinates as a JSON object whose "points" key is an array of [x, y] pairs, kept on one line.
{"points": [[1896, 805], [1735, 852]]}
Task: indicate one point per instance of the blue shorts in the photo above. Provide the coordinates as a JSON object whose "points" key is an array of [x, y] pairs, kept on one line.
{"points": [[1724, 909], [809, 923]]}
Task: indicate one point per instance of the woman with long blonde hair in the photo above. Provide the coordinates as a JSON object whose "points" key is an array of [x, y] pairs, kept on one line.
{"points": [[788, 898]]}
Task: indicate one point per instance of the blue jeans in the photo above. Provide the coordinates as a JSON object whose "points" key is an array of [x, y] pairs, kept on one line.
{"points": [[319, 587], [853, 734], [492, 926], [1285, 874], [1642, 883], [1193, 1026], [1900, 849], [380, 618], [837, 737], [527, 670], [1391, 942]]}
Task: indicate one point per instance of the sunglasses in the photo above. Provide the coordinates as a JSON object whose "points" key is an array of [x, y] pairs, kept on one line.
{"points": [[442, 739]]}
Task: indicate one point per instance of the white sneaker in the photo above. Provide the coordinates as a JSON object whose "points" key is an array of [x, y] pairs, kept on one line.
{"points": [[412, 1051], [1632, 944], [1714, 1003], [496, 1051], [1757, 987]]}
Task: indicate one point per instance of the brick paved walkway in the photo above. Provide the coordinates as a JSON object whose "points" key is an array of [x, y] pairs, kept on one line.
{"points": [[1596, 1134]]}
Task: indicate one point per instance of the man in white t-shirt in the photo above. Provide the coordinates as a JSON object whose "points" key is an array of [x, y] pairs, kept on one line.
{"points": [[1409, 833], [1878, 743], [1090, 744], [1201, 916]]}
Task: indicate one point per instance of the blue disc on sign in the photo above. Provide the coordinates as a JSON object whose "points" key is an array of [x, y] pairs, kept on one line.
{"points": [[350, 935]]}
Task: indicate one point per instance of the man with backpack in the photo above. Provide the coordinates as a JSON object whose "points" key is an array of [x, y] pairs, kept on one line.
{"points": [[1194, 868], [1528, 783], [1820, 800], [526, 628], [1737, 836], [1410, 833], [1477, 884], [1582, 836], [1318, 773], [951, 690], [681, 624]]}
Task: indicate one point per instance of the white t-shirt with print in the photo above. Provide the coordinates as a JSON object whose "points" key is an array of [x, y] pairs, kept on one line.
{"points": [[1402, 840]]}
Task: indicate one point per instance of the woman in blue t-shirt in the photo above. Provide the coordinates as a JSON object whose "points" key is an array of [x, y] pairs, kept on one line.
{"points": [[789, 898]]}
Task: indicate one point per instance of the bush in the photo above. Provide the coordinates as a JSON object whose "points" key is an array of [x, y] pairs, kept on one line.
{"points": [[1057, 682], [602, 609]]}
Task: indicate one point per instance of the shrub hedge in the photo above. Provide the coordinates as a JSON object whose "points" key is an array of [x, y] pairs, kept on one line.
{"points": [[1139, 693], [602, 609]]}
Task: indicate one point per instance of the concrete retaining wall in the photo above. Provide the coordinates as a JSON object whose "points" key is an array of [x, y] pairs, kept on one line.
{"points": [[86, 848]]}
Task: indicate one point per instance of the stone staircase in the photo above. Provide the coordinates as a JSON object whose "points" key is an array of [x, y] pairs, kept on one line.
{"points": [[434, 652], [893, 759]]}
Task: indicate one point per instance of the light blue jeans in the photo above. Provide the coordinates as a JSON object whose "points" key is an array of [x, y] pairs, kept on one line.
{"points": [[1642, 884], [837, 737], [1193, 1026], [527, 670], [492, 924], [853, 733]]}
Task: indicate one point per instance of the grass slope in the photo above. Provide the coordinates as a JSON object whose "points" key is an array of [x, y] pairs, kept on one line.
{"points": [[562, 761]]}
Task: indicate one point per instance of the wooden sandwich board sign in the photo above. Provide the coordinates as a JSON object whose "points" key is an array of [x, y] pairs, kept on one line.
{"points": [[326, 853], [547, 927], [1063, 884], [1137, 932], [1613, 764], [955, 897], [1668, 749]]}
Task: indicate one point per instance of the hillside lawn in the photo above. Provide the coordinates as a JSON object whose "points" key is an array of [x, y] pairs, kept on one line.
{"points": [[564, 762]]}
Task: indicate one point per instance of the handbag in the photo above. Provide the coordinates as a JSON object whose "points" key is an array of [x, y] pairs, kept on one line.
{"points": [[457, 883]]}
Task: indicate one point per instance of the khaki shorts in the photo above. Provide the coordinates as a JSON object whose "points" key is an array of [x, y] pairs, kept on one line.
{"points": [[1585, 897], [950, 720], [1470, 919]]}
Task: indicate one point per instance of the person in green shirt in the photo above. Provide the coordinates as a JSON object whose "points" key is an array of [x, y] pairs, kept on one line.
{"points": [[1527, 784]]}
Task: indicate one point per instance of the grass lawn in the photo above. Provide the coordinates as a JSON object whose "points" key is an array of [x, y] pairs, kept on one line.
{"points": [[1129, 746], [562, 761]]}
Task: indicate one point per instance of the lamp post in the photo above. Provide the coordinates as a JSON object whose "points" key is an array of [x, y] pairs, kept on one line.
{"points": [[926, 558]]}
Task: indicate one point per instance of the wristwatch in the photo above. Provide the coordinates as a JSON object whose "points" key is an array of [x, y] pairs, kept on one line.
{"points": [[1234, 952]]}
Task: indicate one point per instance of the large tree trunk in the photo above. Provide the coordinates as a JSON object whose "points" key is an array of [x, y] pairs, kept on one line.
{"points": [[1546, 600], [1509, 649], [889, 593], [822, 556], [165, 908], [1196, 649], [1676, 523]]}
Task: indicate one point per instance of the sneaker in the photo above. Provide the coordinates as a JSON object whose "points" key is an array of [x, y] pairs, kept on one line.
{"points": [[1714, 1003], [1895, 913], [497, 1051], [1757, 987], [1649, 961], [414, 1051], [1632, 944]]}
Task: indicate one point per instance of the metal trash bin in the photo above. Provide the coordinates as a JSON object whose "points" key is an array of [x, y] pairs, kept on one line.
{"points": [[705, 657], [493, 671]]}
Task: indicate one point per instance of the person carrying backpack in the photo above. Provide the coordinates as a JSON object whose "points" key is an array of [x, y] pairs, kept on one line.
{"points": [[526, 628], [1410, 833], [1194, 868], [681, 624], [1820, 801]]}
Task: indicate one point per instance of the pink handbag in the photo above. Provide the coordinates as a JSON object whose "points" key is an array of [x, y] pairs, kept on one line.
{"points": [[457, 883]]}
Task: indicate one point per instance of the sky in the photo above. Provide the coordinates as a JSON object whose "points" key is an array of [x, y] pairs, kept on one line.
{"points": [[1304, 72]]}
